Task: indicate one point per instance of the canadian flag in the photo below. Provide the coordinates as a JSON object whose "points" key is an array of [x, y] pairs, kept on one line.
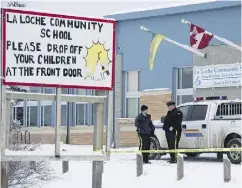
{"points": [[199, 37]]}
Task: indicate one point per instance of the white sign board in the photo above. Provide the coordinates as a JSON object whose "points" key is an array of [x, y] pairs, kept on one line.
{"points": [[42, 49], [217, 76]]}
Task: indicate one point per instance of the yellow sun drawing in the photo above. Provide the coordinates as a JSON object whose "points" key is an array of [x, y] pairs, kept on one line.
{"points": [[97, 55]]}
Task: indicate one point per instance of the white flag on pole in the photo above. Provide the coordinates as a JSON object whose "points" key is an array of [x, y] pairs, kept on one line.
{"points": [[195, 51]]}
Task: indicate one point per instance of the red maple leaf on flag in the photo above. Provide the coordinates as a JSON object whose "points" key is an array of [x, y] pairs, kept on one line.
{"points": [[192, 39], [199, 37]]}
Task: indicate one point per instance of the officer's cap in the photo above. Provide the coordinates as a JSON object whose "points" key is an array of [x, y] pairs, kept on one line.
{"points": [[170, 103]]}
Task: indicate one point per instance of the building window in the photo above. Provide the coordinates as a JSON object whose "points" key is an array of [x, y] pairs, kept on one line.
{"points": [[81, 91], [46, 113], [132, 94], [63, 115], [132, 81], [20, 114], [31, 113], [34, 89], [184, 98], [33, 119], [81, 114], [64, 91], [185, 77], [48, 90], [132, 107], [184, 85], [81, 109]]}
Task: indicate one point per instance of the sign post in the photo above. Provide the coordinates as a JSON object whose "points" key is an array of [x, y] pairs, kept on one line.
{"points": [[109, 127], [97, 166], [3, 130], [58, 122]]}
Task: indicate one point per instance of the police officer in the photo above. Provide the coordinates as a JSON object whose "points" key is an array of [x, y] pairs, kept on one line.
{"points": [[172, 128], [142, 122]]}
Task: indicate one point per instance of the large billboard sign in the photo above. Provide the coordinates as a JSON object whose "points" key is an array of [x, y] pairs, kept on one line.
{"points": [[51, 50]]}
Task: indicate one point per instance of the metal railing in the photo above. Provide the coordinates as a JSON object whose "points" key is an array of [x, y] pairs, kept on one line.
{"points": [[21, 137]]}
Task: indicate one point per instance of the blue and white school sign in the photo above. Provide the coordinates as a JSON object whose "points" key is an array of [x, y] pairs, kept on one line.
{"points": [[226, 75]]}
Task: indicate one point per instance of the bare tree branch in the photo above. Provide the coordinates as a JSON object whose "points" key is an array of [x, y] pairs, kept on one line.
{"points": [[21, 174]]}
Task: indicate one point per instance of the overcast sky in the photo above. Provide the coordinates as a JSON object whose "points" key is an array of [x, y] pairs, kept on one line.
{"points": [[93, 7]]}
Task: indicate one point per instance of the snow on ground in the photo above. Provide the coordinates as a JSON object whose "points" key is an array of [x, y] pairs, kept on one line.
{"points": [[48, 150], [120, 172]]}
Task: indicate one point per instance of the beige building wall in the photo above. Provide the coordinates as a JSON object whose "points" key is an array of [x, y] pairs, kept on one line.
{"points": [[156, 100], [83, 135]]}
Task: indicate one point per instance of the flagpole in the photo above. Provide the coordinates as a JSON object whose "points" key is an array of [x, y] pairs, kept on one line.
{"points": [[177, 43], [217, 37]]}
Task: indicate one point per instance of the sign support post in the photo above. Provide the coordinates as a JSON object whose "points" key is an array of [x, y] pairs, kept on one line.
{"points": [[109, 126], [4, 164], [97, 166], [58, 122], [2, 149]]}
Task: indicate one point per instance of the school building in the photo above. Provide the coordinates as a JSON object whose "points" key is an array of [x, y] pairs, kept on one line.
{"points": [[135, 83]]}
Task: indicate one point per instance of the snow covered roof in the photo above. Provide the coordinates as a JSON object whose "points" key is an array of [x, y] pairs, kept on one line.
{"points": [[163, 5], [172, 7]]}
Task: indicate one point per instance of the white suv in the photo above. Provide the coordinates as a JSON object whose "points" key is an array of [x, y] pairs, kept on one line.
{"points": [[211, 123]]}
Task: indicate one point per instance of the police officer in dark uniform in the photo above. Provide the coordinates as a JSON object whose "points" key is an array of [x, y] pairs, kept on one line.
{"points": [[142, 122], [172, 128]]}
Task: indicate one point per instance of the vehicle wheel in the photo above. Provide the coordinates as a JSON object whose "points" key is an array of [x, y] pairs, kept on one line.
{"points": [[192, 154], [154, 145], [234, 156]]}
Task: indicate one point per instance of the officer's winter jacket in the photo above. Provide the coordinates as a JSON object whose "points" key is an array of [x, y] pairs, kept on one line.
{"points": [[173, 119], [143, 124]]}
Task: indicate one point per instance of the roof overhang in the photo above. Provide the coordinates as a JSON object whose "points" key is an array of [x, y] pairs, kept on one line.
{"points": [[158, 11]]}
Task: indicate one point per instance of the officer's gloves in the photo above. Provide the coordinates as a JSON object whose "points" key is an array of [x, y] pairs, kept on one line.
{"points": [[171, 128]]}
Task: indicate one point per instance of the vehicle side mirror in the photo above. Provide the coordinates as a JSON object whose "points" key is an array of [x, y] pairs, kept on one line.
{"points": [[162, 119]]}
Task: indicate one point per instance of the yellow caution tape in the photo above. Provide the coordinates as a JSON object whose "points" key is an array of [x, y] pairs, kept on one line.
{"points": [[212, 150]]}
